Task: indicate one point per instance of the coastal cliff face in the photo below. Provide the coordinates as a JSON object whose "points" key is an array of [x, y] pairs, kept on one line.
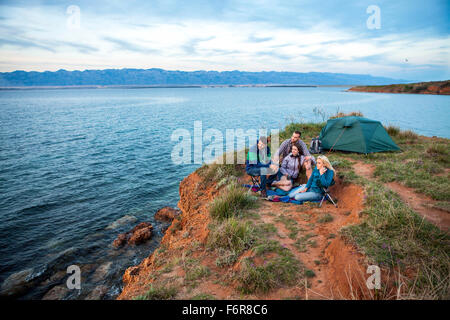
{"points": [[435, 87], [301, 240], [193, 221]]}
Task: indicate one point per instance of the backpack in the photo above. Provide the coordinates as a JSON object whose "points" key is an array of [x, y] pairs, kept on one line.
{"points": [[316, 146]]}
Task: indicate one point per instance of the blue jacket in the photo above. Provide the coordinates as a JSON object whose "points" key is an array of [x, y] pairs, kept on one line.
{"points": [[317, 180], [257, 159]]}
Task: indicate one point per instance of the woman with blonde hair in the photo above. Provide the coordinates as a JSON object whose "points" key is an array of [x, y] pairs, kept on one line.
{"points": [[322, 176]]}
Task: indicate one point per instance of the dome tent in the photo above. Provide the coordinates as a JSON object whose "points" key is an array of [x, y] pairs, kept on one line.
{"points": [[356, 134]]}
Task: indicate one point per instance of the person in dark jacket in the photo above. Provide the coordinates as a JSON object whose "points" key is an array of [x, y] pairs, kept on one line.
{"points": [[258, 163]]}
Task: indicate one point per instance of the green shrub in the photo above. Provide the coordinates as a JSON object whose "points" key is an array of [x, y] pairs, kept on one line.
{"points": [[197, 272], [408, 135], [439, 153], [216, 172], [158, 293], [393, 131], [232, 235], [232, 202], [281, 270], [343, 114], [324, 218], [203, 296]]}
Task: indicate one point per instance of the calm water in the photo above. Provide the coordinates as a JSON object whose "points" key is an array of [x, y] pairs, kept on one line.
{"points": [[73, 161]]}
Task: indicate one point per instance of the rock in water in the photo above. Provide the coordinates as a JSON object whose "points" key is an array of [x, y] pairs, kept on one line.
{"points": [[140, 236], [120, 240], [137, 235], [16, 283], [97, 293], [56, 293], [101, 272], [167, 214], [119, 222]]}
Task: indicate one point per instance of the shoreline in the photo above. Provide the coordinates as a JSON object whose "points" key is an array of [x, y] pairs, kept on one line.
{"points": [[171, 86]]}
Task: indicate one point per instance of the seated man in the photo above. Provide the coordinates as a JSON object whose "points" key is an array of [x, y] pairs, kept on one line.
{"points": [[322, 176], [258, 163], [286, 147]]}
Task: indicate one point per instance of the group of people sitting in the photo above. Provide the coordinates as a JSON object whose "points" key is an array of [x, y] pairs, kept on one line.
{"points": [[294, 157]]}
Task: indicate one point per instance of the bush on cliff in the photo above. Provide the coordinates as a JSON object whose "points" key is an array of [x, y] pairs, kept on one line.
{"points": [[232, 202], [279, 267]]}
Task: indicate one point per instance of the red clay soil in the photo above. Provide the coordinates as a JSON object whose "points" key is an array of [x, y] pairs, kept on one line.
{"points": [[420, 203], [339, 268]]}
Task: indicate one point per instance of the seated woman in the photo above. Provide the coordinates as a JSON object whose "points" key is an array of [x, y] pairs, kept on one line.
{"points": [[290, 168], [322, 175]]}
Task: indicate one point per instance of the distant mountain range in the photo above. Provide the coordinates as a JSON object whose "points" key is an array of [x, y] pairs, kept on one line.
{"points": [[161, 77]]}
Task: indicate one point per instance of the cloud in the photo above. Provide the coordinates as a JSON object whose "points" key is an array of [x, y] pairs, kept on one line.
{"points": [[191, 46], [24, 44], [78, 46], [226, 35], [253, 38], [128, 46]]}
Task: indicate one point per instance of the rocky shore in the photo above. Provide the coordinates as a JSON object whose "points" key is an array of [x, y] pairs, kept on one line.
{"points": [[100, 279]]}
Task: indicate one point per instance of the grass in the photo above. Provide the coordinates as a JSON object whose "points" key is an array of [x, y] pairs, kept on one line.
{"points": [[325, 218], [158, 293], [310, 273], [230, 238], [442, 205], [232, 202], [290, 224], [420, 167], [266, 229], [303, 242], [216, 172], [283, 269], [232, 235], [203, 296], [197, 272], [392, 234], [392, 130], [342, 114]]}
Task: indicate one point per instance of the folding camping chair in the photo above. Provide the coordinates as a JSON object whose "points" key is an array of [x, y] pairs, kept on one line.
{"points": [[256, 181], [326, 195]]}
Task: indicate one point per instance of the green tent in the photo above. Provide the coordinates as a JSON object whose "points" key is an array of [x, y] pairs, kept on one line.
{"points": [[356, 134]]}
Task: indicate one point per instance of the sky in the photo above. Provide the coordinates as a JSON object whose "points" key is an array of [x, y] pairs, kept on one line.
{"points": [[397, 39]]}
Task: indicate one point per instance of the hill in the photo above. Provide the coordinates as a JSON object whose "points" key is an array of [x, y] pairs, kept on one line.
{"points": [[110, 77], [432, 87]]}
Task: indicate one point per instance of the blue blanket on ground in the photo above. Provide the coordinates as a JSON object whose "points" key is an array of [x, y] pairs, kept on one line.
{"points": [[277, 192]]}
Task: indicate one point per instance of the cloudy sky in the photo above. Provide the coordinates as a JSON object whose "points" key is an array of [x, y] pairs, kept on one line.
{"points": [[406, 40]]}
